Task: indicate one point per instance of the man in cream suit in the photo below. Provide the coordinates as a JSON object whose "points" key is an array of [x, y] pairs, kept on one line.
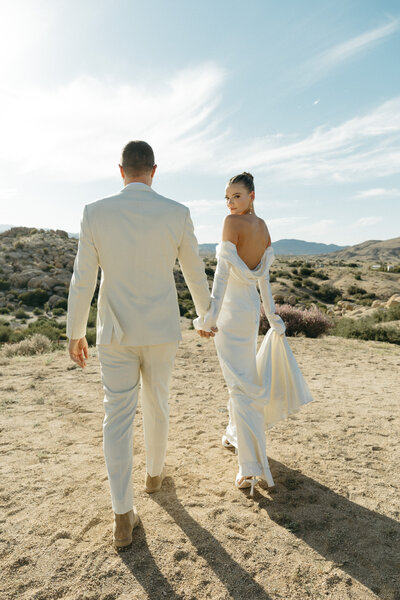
{"points": [[135, 237]]}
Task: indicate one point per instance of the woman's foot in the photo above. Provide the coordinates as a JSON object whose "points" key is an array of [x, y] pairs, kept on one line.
{"points": [[226, 443], [246, 482]]}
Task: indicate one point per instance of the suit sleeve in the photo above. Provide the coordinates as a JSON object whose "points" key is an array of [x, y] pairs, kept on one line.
{"points": [[193, 268], [217, 295], [274, 320], [83, 282]]}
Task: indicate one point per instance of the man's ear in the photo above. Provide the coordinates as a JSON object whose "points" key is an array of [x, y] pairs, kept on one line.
{"points": [[154, 169], [121, 170]]}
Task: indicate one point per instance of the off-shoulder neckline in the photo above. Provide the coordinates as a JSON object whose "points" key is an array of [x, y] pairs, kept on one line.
{"points": [[242, 261]]}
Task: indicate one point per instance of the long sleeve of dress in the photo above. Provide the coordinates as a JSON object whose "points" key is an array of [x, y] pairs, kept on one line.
{"points": [[274, 320], [221, 277]]}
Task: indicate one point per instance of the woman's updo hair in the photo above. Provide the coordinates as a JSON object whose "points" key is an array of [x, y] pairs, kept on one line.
{"points": [[245, 179]]}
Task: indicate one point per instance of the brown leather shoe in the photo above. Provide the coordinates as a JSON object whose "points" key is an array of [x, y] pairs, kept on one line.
{"points": [[153, 484], [123, 527]]}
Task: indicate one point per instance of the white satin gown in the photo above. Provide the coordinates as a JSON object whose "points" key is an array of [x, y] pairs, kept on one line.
{"points": [[265, 386]]}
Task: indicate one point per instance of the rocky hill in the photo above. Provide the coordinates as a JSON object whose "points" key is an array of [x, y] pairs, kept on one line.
{"points": [[385, 251], [35, 267]]}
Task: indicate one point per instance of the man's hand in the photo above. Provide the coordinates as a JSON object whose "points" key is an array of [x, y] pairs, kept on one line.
{"points": [[79, 351], [207, 334]]}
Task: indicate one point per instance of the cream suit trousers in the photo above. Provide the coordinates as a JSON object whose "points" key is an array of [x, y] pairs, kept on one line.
{"points": [[122, 368]]}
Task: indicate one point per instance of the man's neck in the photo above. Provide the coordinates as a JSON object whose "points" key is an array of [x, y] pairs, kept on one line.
{"points": [[147, 179]]}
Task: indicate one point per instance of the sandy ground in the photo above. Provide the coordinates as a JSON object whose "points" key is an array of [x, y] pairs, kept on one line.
{"points": [[329, 528]]}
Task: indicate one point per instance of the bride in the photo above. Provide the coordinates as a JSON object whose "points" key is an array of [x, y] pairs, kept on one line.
{"points": [[265, 386]]}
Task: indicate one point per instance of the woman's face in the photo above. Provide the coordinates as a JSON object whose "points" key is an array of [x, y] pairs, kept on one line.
{"points": [[238, 198]]}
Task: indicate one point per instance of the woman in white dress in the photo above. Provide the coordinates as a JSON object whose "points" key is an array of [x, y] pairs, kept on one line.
{"points": [[265, 386]]}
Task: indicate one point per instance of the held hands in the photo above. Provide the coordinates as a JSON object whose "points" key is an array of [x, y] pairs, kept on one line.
{"points": [[79, 351], [207, 334]]}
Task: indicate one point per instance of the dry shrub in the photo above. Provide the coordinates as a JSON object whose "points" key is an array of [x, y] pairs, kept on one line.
{"points": [[36, 344], [311, 322]]}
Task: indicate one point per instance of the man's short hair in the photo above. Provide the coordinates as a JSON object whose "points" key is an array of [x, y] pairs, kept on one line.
{"points": [[137, 158]]}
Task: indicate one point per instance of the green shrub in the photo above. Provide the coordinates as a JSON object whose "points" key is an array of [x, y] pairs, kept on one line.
{"points": [[4, 310], [320, 275], [91, 336], [58, 311], [328, 293], [37, 311], [357, 276], [4, 284], [36, 297], [354, 289], [63, 303], [306, 271], [92, 316], [5, 333], [365, 329], [209, 272], [297, 283], [386, 314], [21, 314], [272, 277]]}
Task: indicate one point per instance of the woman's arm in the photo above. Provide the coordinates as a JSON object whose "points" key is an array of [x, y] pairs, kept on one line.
{"points": [[221, 276], [274, 320]]}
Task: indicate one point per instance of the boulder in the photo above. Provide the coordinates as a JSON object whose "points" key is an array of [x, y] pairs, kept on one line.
{"points": [[279, 299], [20, 280], [393, 301], [43, 281], [292, 300]]}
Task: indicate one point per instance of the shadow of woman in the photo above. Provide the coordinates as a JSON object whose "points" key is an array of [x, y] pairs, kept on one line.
{"points": [[364, 543], [236, 580]]}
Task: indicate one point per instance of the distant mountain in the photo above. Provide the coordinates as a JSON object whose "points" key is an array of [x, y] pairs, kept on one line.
{"points": [[300, 247], [285, 247], [372, 250]]}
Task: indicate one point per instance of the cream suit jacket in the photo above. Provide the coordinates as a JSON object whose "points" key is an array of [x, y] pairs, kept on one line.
{"points": [[135, 237]]}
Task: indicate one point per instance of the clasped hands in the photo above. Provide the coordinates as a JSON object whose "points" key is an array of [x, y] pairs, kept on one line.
{"points": [[207, 334]]}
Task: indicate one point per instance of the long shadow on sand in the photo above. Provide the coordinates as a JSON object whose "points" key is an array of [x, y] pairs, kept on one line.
{"points": [[236, 580], [364, 543], [141, 563]]}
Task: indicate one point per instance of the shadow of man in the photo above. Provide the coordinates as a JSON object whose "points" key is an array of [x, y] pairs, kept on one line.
{"points": [[364, 543]]}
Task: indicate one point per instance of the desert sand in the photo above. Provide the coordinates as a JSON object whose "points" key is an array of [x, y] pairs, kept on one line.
{"points": [[328, 529]]}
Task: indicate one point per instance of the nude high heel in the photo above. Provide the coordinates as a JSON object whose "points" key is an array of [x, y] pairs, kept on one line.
{"points": [[247, 482]]}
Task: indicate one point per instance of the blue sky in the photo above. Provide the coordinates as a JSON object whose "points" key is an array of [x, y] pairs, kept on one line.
{"points": [[305, 95]]}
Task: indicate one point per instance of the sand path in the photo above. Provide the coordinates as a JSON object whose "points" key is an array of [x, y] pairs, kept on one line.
{"points": [[329, 529]]}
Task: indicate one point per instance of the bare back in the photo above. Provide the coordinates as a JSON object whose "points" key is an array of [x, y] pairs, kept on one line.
{"points": [[251, 236]]}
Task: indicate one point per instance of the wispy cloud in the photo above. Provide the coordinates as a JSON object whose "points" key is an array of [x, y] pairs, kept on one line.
{"points": [[350, 151], [322, 63], [77, 130], [378, 193], [368, 221]]}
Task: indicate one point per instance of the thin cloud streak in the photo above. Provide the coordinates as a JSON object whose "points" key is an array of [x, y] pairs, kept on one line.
{"points": [[378, 193], [348, 152], [321, 64], [368, 221]]}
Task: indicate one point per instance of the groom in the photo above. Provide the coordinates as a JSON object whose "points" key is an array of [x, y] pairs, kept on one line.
{"points": [[135, 237]]}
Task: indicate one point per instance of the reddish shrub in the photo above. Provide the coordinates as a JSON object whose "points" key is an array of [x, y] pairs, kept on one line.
{"points": [[310, 322]]}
